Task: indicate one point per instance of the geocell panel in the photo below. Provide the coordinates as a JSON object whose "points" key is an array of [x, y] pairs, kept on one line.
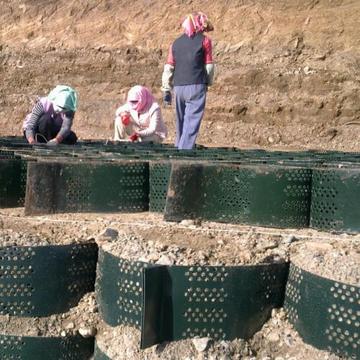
{"points": [[100, 355], [326, 313], [45, 348], [45, 280], [12, 182], [263, 195], [209, 301], [159, 182], [335, 200], [119, 289], [103, 187]]}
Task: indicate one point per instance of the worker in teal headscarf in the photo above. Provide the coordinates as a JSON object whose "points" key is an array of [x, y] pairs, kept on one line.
{"points": [[51, 118]]}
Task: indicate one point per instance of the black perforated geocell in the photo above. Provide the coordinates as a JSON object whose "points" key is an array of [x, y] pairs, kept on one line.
{"points": [[178, 302], [335, 200], [326, 313], [262, 195], [45, 348], [87, 186], [45, 280]]}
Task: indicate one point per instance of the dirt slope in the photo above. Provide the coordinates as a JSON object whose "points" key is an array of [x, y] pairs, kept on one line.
{"points": [[288, 71]]}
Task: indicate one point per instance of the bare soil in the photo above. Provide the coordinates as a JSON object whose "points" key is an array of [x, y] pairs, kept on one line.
{"points": [[276, 340], [146, 237], [288, 71], [288, 77]]}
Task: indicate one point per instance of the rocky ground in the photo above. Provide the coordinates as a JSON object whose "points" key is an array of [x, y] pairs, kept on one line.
{"points": [[288, 77], [277, 340], [147, 237]]}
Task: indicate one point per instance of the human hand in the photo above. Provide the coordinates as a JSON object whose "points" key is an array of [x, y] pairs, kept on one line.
{"points": [[167, 98], [125, 118], [134, 137], [52, 142]]}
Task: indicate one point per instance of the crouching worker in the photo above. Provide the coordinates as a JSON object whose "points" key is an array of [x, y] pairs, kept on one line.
{"points": [[140, 118], [51, 118]]}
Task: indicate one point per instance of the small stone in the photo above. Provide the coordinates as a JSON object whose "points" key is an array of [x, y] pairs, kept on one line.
{"points": [[290, 239], [63, 333], [187, 222], [111, 233], [70, 326], [273, 338], [270, 245], [165, 260], [87, 331], [201, 344]]}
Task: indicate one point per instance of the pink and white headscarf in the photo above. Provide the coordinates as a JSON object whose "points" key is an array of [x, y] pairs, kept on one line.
{"points": [[140, 98], [194, 23]]}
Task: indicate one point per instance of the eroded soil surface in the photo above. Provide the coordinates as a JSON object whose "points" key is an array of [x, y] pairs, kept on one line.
{"points": [[288, 71]]}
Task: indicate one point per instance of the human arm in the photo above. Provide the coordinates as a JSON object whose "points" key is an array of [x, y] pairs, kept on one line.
{"points": [[65, 129], [167, 77], [155, 118], [31, 123], [208, 60]]}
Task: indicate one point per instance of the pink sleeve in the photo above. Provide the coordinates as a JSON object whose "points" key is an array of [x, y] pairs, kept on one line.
{"points": [[207, 46], [170, 59]]}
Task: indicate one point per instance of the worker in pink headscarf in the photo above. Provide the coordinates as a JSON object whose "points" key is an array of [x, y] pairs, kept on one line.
{"points": [[189, 69], [140, 118]]}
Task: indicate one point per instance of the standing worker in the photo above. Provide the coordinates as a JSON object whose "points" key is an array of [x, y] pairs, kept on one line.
{"points": [[190, 69], [139, 119], [51, 118]]}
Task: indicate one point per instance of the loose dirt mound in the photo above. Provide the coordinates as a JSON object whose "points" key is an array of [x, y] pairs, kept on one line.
{"points": [[288, 71]]}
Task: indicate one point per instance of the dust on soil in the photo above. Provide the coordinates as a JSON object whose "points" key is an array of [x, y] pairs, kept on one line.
{"points": [[288, 77], [276, 340], [146, 237], [83, 318], [288, 71]]}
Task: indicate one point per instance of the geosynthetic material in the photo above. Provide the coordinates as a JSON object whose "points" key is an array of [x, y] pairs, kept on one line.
{"points": [[170, 303], [45, 348], [45, 280], [325, 313]]}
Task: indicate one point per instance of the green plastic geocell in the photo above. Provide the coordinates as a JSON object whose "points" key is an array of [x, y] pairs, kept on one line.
{"points": [[99, 355], [45, 348], [12, 182], [325, 313], [45, 280], [335, 200], [265, 195], [170, 303], [87, 186]]}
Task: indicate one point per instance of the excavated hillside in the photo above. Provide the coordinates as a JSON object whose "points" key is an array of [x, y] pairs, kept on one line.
{"points": [[288, 71]]}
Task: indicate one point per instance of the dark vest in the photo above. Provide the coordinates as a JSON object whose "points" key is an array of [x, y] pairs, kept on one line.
{"points": [[189, 60]]}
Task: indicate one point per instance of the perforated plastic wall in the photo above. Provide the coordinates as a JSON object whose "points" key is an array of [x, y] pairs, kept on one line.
{"points": [[178, 302], [159, 182], [58, 187], [45, 280], [45, 348], [99, 355], [12, 182], [335, 200], [119, 290], [261, 195], [326, 313]]}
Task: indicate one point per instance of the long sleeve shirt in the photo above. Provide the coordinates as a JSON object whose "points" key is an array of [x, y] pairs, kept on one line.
{"points": [[63, 120], [147, 123]]}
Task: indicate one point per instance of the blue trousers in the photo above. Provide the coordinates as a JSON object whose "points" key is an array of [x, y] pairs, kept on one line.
{"points": [[190, 105]]}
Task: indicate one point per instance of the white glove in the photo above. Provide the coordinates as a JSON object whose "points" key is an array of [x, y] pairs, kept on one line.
{"points": [[52, 142]]}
